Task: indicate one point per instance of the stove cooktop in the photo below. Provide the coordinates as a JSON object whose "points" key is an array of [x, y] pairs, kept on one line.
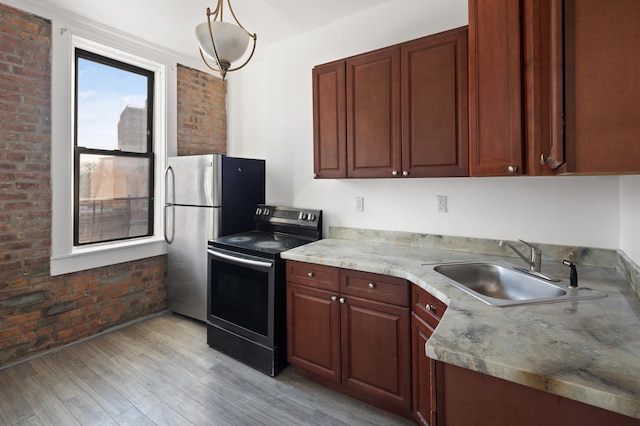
{"points": [[278, 228], [268, 243]]}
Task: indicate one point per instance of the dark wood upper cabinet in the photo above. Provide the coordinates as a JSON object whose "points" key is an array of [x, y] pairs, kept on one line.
{"points": [[543, 39], [602, 88], [435, 105], [553, 87], [516, 87], [405, 111], [329, 118], [373, 114], [496, 136]]}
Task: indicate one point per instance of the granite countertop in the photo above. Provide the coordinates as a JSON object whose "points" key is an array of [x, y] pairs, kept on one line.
{"points": [[585, 350]]}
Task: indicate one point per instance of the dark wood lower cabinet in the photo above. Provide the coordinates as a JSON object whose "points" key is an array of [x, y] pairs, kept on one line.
{"points": [[469, 398], [376, 355], [426, 314], [344, 333], [313, 331], [424, 374], [355, 332]]}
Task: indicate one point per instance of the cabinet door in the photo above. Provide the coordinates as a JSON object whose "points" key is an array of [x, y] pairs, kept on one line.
{"points": [[313, 331], [373, 114], [602, 88], [470, 398], [376, 354], [423, 373], [495, 88], [544, 91], [329, 121], [434, 106]]}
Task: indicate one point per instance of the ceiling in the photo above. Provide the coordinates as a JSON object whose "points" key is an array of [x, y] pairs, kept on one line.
{"points": [[171, 23]]}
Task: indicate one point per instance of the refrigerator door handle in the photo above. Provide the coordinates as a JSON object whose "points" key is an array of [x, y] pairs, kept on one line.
{"points": [[169, 204], [207, 179], [166, 185], [173, 223]]}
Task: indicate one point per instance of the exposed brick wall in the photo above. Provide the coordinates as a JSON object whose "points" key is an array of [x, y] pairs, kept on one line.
{"points": [[38, 311], [202, 113]]}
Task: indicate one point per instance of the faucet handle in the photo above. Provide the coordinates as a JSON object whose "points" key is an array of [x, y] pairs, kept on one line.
{"points": [[533, 247]]}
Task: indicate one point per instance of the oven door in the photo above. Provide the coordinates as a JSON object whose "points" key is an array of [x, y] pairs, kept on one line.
{"points": [[241, 292]]}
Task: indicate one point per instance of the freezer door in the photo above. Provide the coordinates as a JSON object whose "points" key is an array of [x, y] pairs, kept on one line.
{"points": [[194, 180], [187, 258]]}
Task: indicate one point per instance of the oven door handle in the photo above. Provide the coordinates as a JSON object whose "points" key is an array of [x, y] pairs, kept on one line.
{"points": [[241, 260]]}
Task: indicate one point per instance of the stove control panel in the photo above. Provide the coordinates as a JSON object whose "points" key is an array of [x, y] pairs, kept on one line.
{"points": [[289, 216]]}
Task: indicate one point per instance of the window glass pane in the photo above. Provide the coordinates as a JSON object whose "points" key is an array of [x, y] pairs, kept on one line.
{"points": [[111, 107], [113, 198]]}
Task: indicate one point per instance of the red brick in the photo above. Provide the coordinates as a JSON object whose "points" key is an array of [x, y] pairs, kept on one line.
{"points": [[22, 319], [97, 299], [9, 332]]}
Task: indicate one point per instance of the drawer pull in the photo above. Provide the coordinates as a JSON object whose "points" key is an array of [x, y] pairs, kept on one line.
{"points": [[372, 285], [429, 307], [310, 274]]}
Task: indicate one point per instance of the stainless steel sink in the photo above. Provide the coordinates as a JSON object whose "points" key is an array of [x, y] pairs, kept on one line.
{"points": [[501, 284]]}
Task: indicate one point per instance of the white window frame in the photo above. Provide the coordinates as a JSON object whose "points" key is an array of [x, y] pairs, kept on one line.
{"points": [[65, 257]]}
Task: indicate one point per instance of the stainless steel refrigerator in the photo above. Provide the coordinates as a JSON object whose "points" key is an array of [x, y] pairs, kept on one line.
{"points": [[207, 196]]}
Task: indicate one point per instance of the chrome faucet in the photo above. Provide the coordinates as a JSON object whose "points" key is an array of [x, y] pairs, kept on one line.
{"points": [[534, 261]]}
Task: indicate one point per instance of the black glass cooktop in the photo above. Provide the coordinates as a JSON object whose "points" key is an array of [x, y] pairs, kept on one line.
{"points": [[259, 242]]}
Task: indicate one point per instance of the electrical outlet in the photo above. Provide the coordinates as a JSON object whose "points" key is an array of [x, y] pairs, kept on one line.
{"points": [[359, 204], [442, 203]]}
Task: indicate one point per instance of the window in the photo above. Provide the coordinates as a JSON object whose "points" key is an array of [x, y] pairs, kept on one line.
{"points": [[107, 178], [113, 153]]}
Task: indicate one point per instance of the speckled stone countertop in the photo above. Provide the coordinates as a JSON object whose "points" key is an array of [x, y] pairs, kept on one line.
{"points": [[587, 350]]}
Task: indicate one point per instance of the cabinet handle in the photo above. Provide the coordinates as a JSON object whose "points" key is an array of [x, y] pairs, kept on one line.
{"points": [[334, 298], [429, 307], [394, 173], [341, 300], [315, 175], [310, 274], [405, 173], [512, 169], [372, 285]]}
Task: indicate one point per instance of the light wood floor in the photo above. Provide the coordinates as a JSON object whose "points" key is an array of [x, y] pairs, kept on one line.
{"points": [[160, 371]]}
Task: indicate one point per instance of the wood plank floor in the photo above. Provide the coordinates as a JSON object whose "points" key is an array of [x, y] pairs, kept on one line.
{"points": [[160, 371]]}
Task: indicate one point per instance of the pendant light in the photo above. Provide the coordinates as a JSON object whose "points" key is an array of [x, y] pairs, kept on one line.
{"points": [[223, 43]]}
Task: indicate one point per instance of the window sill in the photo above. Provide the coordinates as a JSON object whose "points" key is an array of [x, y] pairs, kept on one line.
{"points": [[99, 255]]}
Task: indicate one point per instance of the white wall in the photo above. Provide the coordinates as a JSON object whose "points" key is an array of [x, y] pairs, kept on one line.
{"points": [[582, 211], [630, 216]]}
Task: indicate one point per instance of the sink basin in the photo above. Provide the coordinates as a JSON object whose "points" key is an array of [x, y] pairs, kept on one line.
{"points": [[501, 284]]}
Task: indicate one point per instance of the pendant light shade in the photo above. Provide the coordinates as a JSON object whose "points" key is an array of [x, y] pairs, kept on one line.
{"points": [[223, 43]]}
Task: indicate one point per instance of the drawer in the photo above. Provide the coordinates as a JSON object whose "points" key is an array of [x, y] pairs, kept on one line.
{"points": [[381, 288], [426, 306], [313, 275]]}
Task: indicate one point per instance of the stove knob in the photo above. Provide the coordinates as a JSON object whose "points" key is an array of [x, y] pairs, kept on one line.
{"points": [[302, 216], [266, 212], [258, 211], [311, 216]]}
